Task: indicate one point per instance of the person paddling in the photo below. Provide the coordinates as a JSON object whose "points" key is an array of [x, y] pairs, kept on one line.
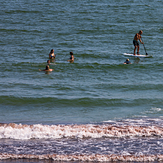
{"points": [[136, 43]]}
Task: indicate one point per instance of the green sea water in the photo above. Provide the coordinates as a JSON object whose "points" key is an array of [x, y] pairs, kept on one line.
{"points": [[97, 82], [97, 87]]}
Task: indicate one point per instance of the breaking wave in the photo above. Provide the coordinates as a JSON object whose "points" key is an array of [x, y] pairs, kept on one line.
{"points": [[117, 130]]}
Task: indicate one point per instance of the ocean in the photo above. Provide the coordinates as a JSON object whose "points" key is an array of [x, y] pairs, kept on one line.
{"points": [[96, 109]]}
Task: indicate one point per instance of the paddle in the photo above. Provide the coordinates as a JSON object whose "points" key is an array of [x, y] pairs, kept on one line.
{"points": [[144, 48]]}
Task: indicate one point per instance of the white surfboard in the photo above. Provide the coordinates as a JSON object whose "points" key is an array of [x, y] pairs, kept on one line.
{"points": [[132, 55]]}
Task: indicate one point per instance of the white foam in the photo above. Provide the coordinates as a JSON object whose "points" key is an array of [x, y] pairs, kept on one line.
{"points": [[156, 109], [38, 131], [82, 157]]}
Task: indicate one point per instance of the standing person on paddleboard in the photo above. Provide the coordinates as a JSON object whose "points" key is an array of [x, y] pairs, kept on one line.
{"points": [[136, 43]]}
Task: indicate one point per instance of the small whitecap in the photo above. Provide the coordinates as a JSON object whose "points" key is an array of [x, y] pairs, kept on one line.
{"points": [[156, 109]]}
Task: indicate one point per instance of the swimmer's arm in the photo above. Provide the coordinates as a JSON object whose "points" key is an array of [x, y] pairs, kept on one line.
{"points": [[70, 60], [47, 70], [42, 70]]}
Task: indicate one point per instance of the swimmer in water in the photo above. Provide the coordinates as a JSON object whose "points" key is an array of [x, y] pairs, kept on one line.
{"points": [[47, 69], [127, 62], [71, 60], [48, 62], [52, 55]]}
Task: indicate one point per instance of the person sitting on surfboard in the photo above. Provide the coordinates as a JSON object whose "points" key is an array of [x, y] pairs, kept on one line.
{"points": [[127, 62], [136, 43], [52, 55]]}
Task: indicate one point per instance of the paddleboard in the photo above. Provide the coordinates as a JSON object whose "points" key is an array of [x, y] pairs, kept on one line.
{"points": [[140, 56]]}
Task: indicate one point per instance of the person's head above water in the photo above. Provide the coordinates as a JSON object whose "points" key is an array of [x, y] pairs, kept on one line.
{"points": [[52, 51], [71, 53], [48, 61]]}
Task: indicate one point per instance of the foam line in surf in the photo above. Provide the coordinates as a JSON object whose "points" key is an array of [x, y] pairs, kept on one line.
{"points": [[39, 131]]}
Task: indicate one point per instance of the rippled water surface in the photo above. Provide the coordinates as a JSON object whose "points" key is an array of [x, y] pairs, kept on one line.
{"points": [[95, 109]]}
